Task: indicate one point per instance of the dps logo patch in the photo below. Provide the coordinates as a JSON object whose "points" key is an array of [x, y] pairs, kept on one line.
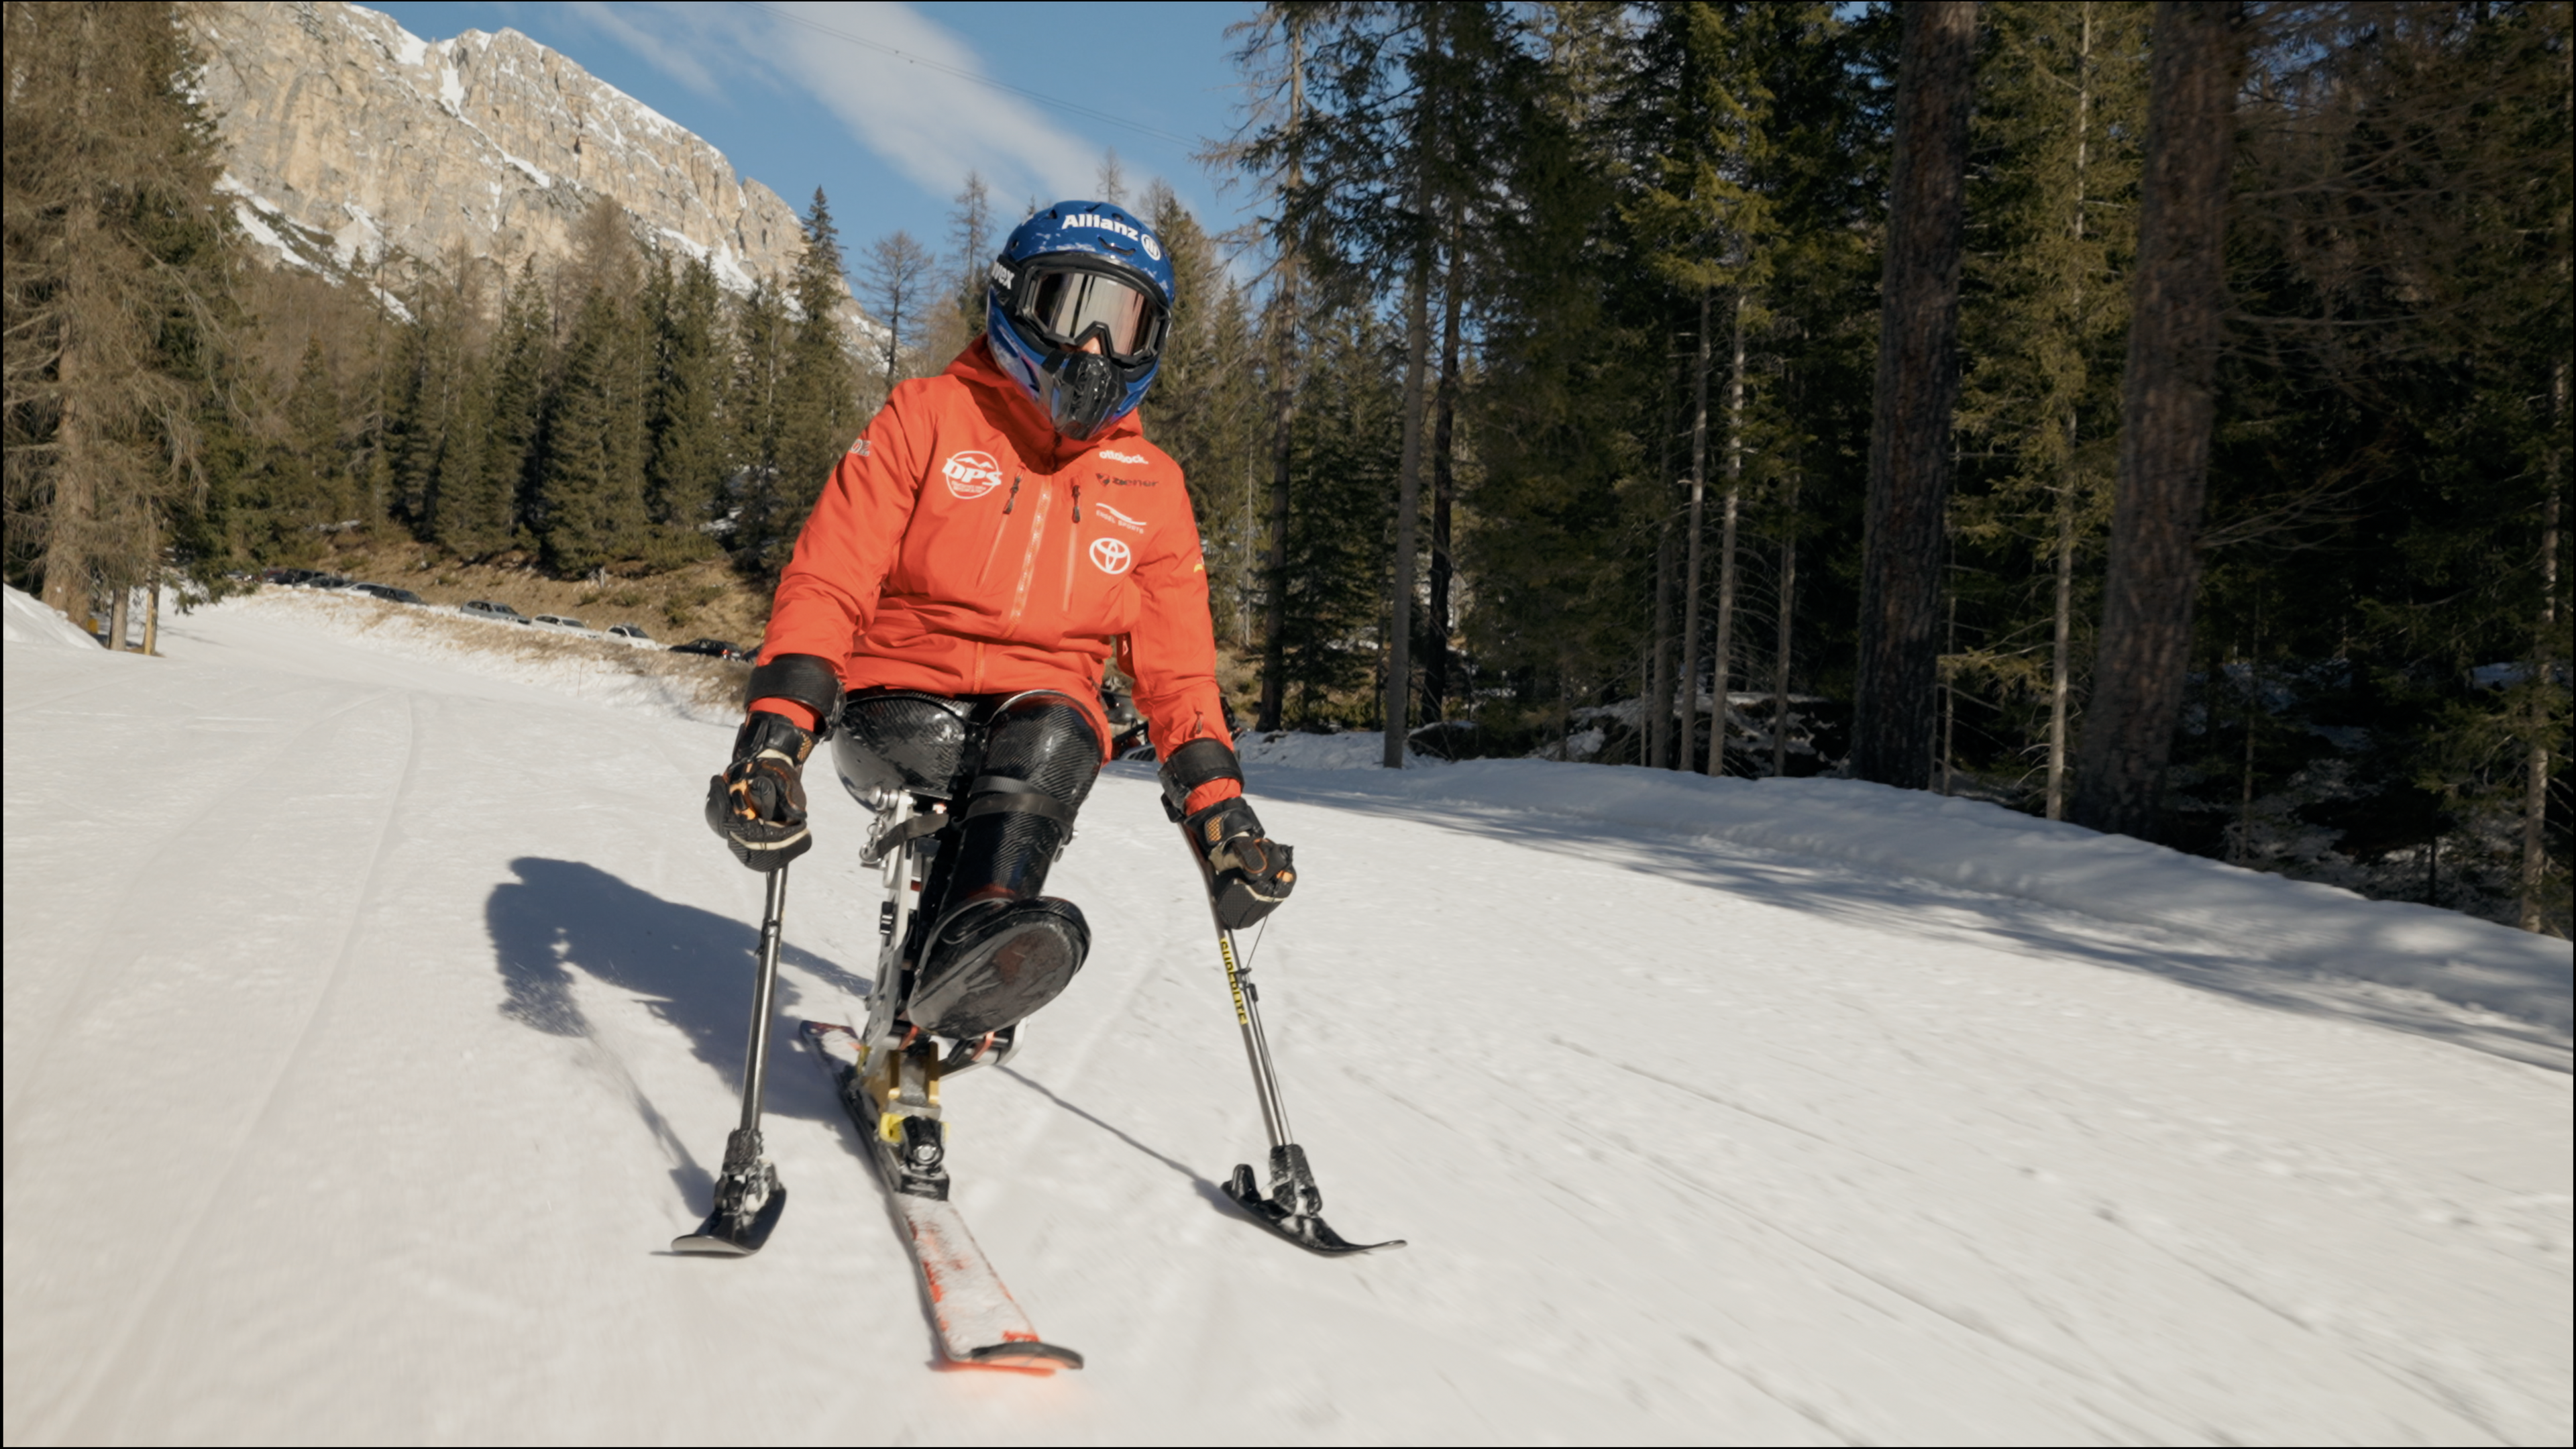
{"points": [[971, 474]]}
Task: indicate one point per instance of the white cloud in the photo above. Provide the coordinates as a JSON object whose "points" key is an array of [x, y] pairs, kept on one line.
{"points": [[671, 60], [930, 126]]}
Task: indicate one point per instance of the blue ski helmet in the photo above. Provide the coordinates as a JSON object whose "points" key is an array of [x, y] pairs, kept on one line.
{"points": [[1076, 272]]}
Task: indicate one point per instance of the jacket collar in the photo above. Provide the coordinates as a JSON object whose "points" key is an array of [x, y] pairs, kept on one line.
{"points": [[1016, 414]]}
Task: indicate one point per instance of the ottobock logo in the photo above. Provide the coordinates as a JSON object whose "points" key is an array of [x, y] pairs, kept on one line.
{"points": [[1112, 555], [1122, 520], [1114, 456], [971, 474]]}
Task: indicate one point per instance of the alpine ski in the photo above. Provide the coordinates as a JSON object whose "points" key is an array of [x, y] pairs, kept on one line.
{"points": [[980, 1325]]}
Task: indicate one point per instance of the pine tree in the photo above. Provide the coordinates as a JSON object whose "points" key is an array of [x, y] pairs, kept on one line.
{"points": [[1203, 405], [521, 374], [591, 474], [2061, 111], [1706, 230], [689, 461], [1346, 460], [755, 415], [120, 266], [818, 410], [434, 376], [459, 494]]}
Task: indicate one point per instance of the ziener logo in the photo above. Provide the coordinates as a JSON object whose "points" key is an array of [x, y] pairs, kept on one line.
{"points": [[971, 474], [1112, 555]]}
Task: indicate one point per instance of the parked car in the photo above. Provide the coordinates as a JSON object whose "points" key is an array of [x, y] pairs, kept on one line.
{"points": [[302, 579], [486, 609], [712, 648], [562, 621], [387, 592], [631, 631]]}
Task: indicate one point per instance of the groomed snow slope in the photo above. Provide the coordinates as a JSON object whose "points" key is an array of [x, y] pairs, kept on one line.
{"points": [[371, 1025]]}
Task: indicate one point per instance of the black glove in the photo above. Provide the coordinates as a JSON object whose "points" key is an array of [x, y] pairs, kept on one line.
{"points": [[1248, 875], [758, 803]]}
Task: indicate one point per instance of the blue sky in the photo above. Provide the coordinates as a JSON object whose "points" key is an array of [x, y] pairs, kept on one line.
{"points": [[796, 97]]}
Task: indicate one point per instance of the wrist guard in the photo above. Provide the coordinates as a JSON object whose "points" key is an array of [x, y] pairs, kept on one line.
{"points": [[806, 679], [1193, 765]]}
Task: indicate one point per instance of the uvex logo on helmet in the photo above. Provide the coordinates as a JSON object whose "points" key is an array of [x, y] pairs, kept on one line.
{"points": [[971, 474]]}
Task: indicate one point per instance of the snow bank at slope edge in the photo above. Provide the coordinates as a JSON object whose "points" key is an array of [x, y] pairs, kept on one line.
{"points": [[29, 621], [1984, 847]]}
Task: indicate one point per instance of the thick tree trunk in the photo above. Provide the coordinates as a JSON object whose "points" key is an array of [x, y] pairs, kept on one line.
{"points": [[1658, 704], [2060, 660], [1949, 693], [1444, 490], [1723, 655], [2535, 800], [1408, 497], [1690, 572], [1918, 386], [2165, 415], [1283, 414], [1780, 651]]}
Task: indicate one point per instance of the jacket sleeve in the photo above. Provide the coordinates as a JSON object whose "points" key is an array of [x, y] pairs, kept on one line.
{"points": [[1172, 649], [829, 590]]}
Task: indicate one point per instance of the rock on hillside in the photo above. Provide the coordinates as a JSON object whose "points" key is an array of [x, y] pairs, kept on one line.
{"points": [[347, 135]]}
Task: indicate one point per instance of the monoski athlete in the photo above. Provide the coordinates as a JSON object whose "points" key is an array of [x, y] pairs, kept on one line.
{"points": [[985, 548]]}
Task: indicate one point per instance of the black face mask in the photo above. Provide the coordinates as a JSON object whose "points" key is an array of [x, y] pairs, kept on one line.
{"points": [[1079, 390]]}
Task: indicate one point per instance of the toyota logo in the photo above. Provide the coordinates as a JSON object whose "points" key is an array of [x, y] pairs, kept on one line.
{"points": [[1112, 556]]}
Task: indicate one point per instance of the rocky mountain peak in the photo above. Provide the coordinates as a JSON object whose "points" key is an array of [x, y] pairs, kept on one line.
{"points": [[347, 136]]}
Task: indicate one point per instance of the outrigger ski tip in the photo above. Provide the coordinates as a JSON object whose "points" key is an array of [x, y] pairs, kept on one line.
{"points": [[729, 1235], [1307, 1229]]}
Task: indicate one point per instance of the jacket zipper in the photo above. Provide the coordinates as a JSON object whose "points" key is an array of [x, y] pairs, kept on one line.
{"points": [[993, 550], [1029, 561], [1072, 552]]}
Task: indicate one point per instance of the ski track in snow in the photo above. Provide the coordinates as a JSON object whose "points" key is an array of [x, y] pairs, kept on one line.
{"points": [[371, 1025]]}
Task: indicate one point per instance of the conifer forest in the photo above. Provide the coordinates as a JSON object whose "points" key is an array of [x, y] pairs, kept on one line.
{"points": [[2152, 416]]}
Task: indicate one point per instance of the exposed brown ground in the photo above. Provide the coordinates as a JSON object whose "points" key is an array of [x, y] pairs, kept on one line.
{"points": [[701, 600]]}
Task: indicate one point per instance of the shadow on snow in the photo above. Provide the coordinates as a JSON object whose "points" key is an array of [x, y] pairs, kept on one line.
{"points": [[563, 920]]}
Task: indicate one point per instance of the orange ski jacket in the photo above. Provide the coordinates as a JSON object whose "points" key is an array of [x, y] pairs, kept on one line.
{"points": [[963, 546]]}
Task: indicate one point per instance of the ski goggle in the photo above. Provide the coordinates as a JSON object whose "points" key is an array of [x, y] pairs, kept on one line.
{"points": [[1068, 304]]}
